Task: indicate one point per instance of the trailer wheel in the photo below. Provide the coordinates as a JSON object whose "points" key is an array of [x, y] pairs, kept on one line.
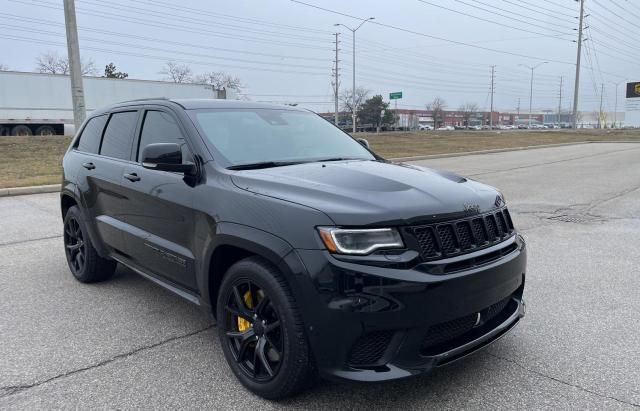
{"points": [[45, 131], [4, 131], [21, 131]]}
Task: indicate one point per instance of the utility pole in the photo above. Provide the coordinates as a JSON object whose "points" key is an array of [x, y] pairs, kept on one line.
{"points": [[75, 70], [336, 85], [615, 110], [353, 91], [518, 108], [560, 102], [600, 114], [493, 74], [532, 68], [578, 59]]}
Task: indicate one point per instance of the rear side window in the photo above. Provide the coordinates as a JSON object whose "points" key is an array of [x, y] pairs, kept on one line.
{"points": [[160, 127], [118, 136], [90, 138]]}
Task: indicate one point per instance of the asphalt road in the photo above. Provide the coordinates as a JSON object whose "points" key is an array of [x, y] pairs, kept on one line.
{"points": [[128, 343]]}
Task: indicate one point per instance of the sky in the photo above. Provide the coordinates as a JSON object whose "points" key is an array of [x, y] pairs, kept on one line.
{"points": [[283, 50]]}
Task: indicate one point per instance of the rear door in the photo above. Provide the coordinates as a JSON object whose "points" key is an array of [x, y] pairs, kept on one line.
{"points": [[159, 206], [103, 192]]}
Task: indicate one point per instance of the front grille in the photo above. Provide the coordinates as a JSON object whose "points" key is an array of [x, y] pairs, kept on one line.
{"points": [[448, 239], [370, 348], [444, 336]]}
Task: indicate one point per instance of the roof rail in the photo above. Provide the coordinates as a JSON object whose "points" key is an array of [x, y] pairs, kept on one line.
{"points": [[145, 99]]}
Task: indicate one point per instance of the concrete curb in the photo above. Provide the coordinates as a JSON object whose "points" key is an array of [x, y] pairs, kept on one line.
{"points": [[53, 188], [499, 150], [18, 191]]}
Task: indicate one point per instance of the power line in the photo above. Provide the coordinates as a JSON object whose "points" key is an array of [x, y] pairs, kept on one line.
{"points": [[616, 14], [562, 6], [537, 5], [164, 25], [538, 8], [186, 53], [461, 43], [512, 13], [237, 18], [164, 49], [128, 8], [160, 58], [488, 20]]}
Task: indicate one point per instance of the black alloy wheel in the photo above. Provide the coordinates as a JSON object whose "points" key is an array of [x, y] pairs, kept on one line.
{"points": [[253, 331], [85, 263], [75, 246]]}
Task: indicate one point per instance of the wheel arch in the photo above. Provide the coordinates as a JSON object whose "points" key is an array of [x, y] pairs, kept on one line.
{"points": [[67, 200], [69, 197], [234, 242]]}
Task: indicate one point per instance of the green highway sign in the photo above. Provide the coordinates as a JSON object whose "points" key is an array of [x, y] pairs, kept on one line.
{"points": [[395, 96]]}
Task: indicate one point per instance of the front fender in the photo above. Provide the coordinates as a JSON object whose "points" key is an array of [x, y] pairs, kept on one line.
{"points": [[253, 240]]}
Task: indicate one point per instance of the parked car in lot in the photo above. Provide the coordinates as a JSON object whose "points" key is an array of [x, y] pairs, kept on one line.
{"points": [[446, 128], [424, 127], [315, 255]]}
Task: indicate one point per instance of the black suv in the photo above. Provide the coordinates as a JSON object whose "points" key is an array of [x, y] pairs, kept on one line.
{"points": [[315, 256]]}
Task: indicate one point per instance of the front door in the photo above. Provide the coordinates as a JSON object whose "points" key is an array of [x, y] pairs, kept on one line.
{"points": [[159, 208]]}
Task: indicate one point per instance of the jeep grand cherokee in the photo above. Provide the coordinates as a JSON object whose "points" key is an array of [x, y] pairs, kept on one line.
{"points": [[316, 256]]}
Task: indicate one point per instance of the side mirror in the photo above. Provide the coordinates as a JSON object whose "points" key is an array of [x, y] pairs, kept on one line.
{"points": [[165, 157], [364, 142]]}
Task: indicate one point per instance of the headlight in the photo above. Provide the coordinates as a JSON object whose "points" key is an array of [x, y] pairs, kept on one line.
{"points": [[360, 241]]}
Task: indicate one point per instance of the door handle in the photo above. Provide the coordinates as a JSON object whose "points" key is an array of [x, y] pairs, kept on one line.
{"points": [[132, 177], [88, 166]]}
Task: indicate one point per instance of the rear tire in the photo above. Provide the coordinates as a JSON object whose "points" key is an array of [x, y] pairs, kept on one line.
{"points": [[21, 131], [45, 131], [256, 310], [84, 262]]}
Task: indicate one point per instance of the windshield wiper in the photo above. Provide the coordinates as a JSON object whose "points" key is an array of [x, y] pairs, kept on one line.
{"points": [[337, 159], [263, 164]]}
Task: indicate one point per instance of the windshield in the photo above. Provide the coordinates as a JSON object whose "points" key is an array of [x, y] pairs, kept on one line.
{"points": [[250, 136]]}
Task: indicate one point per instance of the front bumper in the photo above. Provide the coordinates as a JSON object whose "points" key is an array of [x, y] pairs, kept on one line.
{"points": [[373, 323]]}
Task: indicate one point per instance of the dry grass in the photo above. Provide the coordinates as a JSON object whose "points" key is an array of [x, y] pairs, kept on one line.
{"points": [[26, 161], [401, 144]]}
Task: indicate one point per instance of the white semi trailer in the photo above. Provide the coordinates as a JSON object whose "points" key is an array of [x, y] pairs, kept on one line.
{"points": [[40, 104]]}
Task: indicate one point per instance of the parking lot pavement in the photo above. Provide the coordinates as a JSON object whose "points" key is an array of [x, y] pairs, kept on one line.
{"points": [[129, 343]]}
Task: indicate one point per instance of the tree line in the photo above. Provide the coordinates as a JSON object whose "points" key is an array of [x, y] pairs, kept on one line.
{"points": [[375, 111]]}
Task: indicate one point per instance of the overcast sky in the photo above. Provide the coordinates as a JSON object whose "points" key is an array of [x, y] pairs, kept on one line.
{"points": [[283, 50]]}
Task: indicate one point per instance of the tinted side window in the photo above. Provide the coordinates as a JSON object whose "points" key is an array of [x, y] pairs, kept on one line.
{"points": [[90, 138], [160, 127], [119, 135]]}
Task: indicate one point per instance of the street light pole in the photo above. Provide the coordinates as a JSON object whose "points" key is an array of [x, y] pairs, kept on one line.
{"points": [[353, 91], [531, 88]]}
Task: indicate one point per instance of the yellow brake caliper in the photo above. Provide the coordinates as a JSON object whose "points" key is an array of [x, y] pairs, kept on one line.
{"points": [[243, 325]]}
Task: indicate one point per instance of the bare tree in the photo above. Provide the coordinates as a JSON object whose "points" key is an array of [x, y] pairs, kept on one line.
{"points": [[178, 73], [468, 110], [219, 80], [50, 62], [346, 99], [437, 107], [4, 67]]}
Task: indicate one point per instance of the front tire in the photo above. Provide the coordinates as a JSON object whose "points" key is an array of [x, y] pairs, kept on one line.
{"points": [[261, 331], [83, 259]]}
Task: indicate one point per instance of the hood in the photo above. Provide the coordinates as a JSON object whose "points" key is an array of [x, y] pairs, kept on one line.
{"points": [[354, 193]]}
